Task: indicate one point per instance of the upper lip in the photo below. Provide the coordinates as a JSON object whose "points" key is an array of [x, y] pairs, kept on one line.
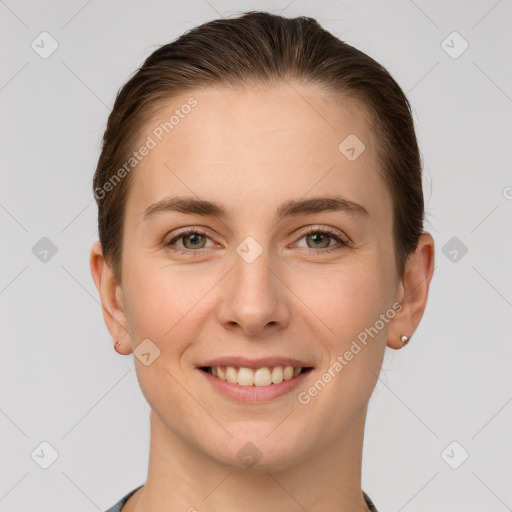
{"points": [[245, 362]]}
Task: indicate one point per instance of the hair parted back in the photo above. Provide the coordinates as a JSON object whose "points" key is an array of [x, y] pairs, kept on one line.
{"points": [[259, 47]]}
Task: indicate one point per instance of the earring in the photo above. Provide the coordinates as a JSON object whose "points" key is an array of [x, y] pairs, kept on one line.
{"points": [[116, 345], [405, 340]]}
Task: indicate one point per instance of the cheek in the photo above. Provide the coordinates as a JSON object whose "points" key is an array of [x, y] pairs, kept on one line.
{"points": [[164, 304], [165, 300], [357, 307], [351, 298]]}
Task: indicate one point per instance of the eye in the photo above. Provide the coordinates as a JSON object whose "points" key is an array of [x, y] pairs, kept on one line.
{"points": [[320, 239], [193, 241]]}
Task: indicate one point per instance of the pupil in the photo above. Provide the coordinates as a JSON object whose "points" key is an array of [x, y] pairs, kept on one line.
{"points": [[317, 238], [193, 239]]}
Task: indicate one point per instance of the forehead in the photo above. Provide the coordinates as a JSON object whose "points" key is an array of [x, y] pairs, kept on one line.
{"points": [[263, 144]]}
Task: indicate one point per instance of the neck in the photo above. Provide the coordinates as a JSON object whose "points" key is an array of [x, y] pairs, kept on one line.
{"points": [[182, 478]]}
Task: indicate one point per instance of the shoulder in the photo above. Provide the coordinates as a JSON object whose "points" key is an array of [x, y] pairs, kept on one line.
{"points": [[369, 502], [119, 505]]}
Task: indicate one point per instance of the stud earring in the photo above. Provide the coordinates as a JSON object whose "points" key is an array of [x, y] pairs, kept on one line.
{"points": [[117, 344], [405, 340]]}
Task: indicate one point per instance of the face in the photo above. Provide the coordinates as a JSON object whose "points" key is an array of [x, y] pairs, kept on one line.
{"points": [[271, 274]]}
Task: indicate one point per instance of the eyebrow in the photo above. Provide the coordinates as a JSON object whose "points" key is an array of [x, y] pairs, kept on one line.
{"points": [[194, 206]]}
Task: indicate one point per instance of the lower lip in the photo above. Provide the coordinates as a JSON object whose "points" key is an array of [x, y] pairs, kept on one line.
{"points": [[254, 393]]}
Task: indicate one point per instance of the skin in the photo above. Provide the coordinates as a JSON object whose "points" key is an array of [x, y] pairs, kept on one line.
{"points": [[251, 150]]}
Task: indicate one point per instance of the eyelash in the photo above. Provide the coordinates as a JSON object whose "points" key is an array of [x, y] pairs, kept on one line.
{"points": [[308, 231]]}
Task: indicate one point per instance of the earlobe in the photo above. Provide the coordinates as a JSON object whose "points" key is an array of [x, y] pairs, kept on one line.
{"points": [[110, 292], [413, 292]]}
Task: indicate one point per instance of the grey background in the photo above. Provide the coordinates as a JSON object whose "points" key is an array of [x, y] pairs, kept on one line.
{"points": [[60, 378]]}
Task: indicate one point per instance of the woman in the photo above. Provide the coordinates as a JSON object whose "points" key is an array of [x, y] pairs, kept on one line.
{"points": [[261, 243]]}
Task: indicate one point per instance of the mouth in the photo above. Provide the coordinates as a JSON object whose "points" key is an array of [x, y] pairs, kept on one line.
{"points": [[256, 377]]}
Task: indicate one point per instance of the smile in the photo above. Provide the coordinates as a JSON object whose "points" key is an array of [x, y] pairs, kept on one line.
{"points": [[264, 376]]}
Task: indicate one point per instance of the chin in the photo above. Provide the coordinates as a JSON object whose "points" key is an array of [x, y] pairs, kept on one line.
{"points": [[261, 452]]}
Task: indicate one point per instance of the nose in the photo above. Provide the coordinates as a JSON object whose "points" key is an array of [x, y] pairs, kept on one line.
{"points": [[254, 298]]}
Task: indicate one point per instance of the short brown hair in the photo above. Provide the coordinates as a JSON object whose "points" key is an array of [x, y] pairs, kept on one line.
{"points": [[259, 47]]}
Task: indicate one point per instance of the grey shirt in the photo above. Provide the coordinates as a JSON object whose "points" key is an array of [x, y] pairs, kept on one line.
{"points": [[117, 507]]}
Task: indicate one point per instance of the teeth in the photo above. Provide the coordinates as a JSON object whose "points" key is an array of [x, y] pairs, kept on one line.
{"points": [[231, 374], [277, 375], [264, 376], [288, 373], [245, 377]]}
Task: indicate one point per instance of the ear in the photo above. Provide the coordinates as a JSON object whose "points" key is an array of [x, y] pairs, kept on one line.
{"points": [[413, 291], [112, 300]]}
